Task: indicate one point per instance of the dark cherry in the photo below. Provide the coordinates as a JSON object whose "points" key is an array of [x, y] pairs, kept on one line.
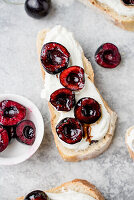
{"points": [[93, 141], [37, 8], [108, 56], [54, 57], [36, 195], [25, 132], [11, 130], [4, 139], [87, 110], [11, 113], [73, 78], [63, 99], [70, 130], [128, 2]]}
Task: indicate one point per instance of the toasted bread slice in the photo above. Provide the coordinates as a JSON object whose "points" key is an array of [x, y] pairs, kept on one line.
{"points": [[123, 21], [77, 185], [94, 149], [131, 153]]}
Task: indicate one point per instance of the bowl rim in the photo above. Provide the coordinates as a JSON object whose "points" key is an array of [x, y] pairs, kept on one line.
{"points": [[13, 160]]}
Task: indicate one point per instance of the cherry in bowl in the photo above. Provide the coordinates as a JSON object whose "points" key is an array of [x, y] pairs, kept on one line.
{"points": [[73, 78], [11, 130], [18, 152], [11, 112], [25, 132], [54, 57], [70, 130], [108, 56], [4, 139], [87, 110]]}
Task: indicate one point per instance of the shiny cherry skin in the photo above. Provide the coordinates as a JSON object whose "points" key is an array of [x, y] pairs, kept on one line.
{"points": [[87, 110], [128, 2], [25, 132], [11, 113], [108, 56], [63, 99], [73, 78], [36, 195], [54, 57], [70, 130], [37, 8]]}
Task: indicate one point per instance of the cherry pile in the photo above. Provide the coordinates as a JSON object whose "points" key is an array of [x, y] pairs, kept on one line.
{"points": [[55, 59], [14, 125]]}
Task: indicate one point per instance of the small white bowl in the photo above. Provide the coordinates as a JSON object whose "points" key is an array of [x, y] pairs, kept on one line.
{"points": [[17, 152]]}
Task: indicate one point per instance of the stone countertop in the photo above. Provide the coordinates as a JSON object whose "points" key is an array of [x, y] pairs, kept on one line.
{"points": [[113, 171]]}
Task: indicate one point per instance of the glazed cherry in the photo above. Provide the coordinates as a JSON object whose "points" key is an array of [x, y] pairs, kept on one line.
{"points": [[4, 139], [54, 57], [87, 110], [108, 56], [70, 130], [63, 99], [25, 132], [11, 113], [73, 78], [37, 8], [36, 195], [128, 2]]}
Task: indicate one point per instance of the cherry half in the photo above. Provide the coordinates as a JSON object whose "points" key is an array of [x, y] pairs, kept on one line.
{"points": [[63, 99], [25, 132], [73, 78], [4, 139], [36, 195], [87, 110], [54, 57], [37, 8], [11, 113], [11, 130], [108, 56], [70, 130]]}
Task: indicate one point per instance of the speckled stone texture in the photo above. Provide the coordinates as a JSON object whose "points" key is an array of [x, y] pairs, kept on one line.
{"points": [[113, 171]]}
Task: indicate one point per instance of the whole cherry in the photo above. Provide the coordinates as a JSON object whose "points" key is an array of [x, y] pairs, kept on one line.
{"points": [[37, 8], [128, 2]]}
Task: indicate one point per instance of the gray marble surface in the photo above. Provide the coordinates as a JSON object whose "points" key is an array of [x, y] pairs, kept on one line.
{"points": [[113, 171]]}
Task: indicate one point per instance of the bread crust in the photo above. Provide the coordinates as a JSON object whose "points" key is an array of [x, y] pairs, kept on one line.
{"points": [[77, 185], [131, 153], [124, 22], [96, 148]]}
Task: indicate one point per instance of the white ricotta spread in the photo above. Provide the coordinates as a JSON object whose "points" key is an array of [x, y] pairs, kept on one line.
{"points": [[119, 7], [99, 129], [130, 140], [69, 195]]}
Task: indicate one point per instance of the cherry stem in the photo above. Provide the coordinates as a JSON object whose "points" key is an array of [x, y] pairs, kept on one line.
{"points": [[13, 3]]}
